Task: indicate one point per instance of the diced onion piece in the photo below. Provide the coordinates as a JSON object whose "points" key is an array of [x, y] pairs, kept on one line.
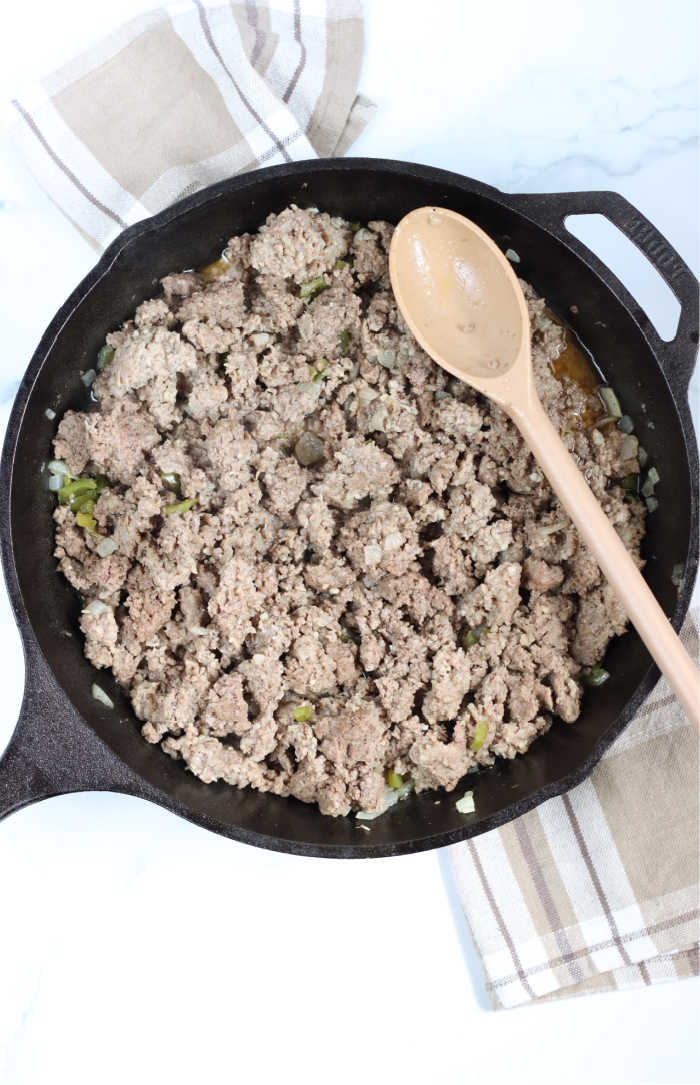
{"points": [[105, 547], [465, 805], [100, 695], [642, 456], [96, 607], [88, 377], [372, 554], [512, 255], [626, 424], [215, 270], [650, 482], [597, 438], [652, 504], [610, 401], [629, 446], [171, 481], [55, 483], [50, 414], [58, 467], [550, 529], [391, 797], [309, 449], [678, 574], [197, 631]]}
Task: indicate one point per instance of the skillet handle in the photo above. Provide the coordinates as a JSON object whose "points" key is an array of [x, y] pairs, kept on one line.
{"points": [[678, 356], [52, 750]]}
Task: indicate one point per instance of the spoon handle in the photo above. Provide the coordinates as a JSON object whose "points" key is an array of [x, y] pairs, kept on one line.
{"points": [[612, 556]]}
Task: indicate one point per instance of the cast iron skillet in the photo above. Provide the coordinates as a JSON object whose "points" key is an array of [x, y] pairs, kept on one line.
{"points": [[65, 741]]}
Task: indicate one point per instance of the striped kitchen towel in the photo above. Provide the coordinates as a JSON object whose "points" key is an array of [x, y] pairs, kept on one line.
{"points": [[190, 94], [597, 889]]}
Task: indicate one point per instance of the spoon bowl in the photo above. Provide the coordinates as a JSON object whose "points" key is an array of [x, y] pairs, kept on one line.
{"points": [[461, 299]]}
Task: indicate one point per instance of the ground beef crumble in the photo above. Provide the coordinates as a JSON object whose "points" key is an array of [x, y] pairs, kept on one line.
{"points": [[373, 576]]}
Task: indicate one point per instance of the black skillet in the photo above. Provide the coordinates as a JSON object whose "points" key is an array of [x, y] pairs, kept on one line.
{"points": [[65, 741]]}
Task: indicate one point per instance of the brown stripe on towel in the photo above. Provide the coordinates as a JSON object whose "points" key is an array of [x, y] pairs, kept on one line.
{"points": [[499, 920], [302, 54], [64, 168], [593, 873], [251, 109]]}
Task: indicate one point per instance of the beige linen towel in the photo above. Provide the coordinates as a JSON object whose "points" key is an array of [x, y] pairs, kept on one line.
{"points": [[597, 889], [186, 95]]}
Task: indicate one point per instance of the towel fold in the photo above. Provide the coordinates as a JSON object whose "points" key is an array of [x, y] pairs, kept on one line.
{"points": [[597, 889], [187, 95]]}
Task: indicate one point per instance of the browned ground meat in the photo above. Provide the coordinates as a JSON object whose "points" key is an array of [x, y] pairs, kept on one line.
{"points": [[302, 627]]}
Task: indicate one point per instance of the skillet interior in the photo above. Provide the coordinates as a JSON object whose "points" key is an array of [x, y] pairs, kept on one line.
{"points": [[191, 235]]}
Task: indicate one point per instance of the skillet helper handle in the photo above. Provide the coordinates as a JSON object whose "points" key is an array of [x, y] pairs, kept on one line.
{"points": [[678, 356], [614, 559], [52, 751]]}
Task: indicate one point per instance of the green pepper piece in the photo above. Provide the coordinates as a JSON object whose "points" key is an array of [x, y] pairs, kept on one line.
{"points": [[473, 636], [87, 521], [321, 367], [179, 506], [344, 339], [104, 357], [482, 729], [394, 780], [340, 265], [354, 226], [83, 503], [595, 676], [303, 713], [313, 287], [77, 486]]}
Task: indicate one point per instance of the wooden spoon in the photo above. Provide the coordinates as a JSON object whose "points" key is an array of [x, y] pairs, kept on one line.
{"points": [[463, 303]]}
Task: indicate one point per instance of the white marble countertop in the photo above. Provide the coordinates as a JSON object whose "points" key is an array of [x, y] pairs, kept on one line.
{"points": [[136, 946]]}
